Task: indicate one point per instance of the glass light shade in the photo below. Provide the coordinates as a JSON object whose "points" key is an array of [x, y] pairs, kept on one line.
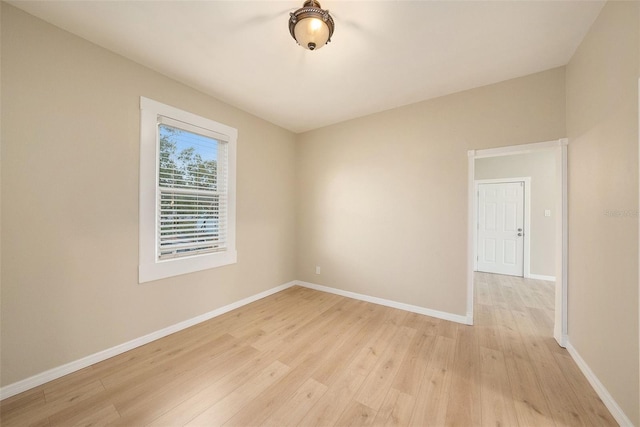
{"points": [[311, 33]]}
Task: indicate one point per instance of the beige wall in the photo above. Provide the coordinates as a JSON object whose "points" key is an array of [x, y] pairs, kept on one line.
{"points": [[540, 166], [602, 126], [382, 200], [70, 161]]}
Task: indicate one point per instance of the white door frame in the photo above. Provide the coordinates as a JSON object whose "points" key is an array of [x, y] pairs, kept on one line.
{"points": [[526, 256], [560, 148]]}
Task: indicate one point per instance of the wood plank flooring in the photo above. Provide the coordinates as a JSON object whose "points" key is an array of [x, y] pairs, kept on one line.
{"points": [[308, 358]]}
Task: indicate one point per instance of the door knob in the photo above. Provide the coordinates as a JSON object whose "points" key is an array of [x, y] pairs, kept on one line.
{"points": [[519, 234], [519, 229]]}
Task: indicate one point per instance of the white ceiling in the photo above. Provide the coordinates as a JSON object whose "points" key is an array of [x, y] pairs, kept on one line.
{"points": [[383, 54]]}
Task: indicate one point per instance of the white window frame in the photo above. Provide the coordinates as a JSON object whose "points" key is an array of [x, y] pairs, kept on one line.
{"points": [[150, 267]]}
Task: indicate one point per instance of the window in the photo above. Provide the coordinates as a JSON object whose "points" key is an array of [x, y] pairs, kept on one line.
{"points": [[187, 192]]}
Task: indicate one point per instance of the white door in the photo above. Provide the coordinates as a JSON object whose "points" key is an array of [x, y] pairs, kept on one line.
{"points": [[501, 228]]}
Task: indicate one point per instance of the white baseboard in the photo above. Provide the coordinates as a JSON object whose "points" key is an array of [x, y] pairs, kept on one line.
{"points": [[52, 374], [542, 277], [600, 389], [393, 304], [560, 338]]}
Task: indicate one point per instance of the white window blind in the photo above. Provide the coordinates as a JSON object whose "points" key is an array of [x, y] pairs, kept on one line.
{"points": [[192, 190]]}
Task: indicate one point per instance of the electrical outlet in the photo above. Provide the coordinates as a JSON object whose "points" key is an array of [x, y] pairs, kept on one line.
{"points": [[317, 269]]}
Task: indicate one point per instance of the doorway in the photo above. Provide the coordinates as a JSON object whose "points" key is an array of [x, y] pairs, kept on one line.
{"points": [[559, 221]]}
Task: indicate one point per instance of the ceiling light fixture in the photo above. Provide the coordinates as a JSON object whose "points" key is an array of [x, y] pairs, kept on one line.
{"points": [[311, 26]]}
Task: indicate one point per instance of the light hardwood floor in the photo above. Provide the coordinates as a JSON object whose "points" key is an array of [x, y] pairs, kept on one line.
{"points": [[303, 357]]}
